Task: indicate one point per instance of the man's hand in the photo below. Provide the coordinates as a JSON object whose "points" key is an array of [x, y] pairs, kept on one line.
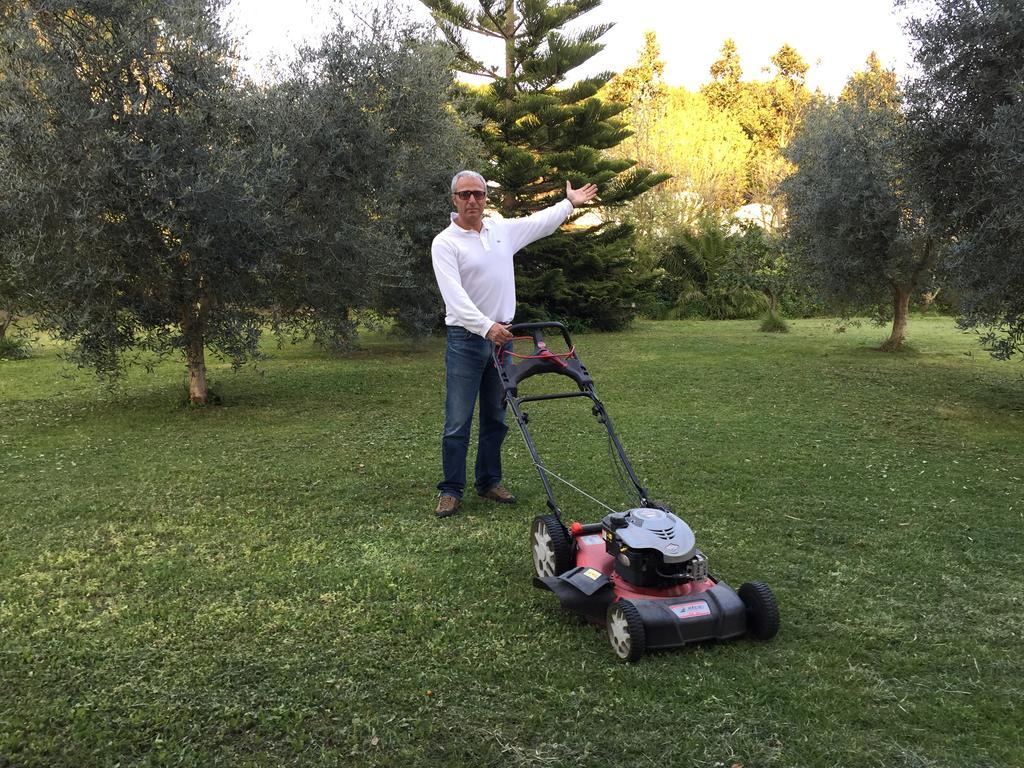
{"points": [[499, 334], [578, 197]]}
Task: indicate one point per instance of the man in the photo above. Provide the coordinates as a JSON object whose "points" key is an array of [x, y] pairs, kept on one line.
{"points": [[473, 266]]}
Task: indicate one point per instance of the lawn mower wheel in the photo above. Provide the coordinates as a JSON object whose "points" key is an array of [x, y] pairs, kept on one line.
{"points": [[553, 551], [626, 631], [762, 610]]}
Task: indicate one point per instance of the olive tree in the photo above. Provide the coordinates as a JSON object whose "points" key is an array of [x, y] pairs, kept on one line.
{"points": [[368, 119], [138, 181], [966, 112], [857, 222], [156, 202]]}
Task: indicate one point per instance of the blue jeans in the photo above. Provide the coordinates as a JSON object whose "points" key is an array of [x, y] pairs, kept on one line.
{"points": [[470, 372]]}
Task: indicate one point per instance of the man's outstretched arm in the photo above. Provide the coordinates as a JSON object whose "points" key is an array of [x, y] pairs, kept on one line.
{"points": [[542, 223]]}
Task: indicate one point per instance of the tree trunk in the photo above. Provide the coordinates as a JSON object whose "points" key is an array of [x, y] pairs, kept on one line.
{"points": [[510, 43], [508, 200], [6, 317], [900, 308], [193, 330], [196, 356]]}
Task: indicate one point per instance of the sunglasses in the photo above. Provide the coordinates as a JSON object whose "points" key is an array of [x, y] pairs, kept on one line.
{"points": [[476, 194]]}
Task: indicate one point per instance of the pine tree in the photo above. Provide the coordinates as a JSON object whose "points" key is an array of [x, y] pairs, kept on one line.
{"points": [[537, 136], [725, 90], [642, 89], [876, 86], [769, 112]]}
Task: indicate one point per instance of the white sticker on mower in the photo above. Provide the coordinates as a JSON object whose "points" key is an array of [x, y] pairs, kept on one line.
{"points": [[691, 610], [594, 538]]}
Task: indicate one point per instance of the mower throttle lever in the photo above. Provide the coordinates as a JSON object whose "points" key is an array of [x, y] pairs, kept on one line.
{"points": [[547, 354]]}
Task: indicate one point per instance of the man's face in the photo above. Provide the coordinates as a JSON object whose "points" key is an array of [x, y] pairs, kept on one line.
{"points": [[470, 209]]}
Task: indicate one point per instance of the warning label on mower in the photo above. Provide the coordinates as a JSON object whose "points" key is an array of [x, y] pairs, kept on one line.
{"points": [[592, 539], [691, 610]]}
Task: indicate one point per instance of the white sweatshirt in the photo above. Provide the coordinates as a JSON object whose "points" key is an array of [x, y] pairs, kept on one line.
{"points": [[474, 269]]}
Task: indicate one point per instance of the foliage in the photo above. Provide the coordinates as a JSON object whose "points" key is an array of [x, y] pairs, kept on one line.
{"points": [[711, 280], [642, 89], [762, 254], [537, 136], [14, 346], [767, 267], [680, 133], [595, 285], [857, 223], [136, 186], [7, 319], [773, 322], [966, 111], [295, 603], [13, 291], [782, 99], [368, 125], [720, 268], [154, 202], [875, 86], [769, 112], [723, 148], [704, 149], [725, 90]]}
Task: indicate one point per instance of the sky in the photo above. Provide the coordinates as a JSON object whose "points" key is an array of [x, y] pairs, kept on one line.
{"points": [[834, 36]]}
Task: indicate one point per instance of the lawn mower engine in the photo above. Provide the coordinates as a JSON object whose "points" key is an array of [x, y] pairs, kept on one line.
{"points": [[640, 573], [653, 548]]}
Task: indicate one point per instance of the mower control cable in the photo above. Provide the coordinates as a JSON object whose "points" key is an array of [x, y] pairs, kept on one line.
{"points": [[620, 472], [544, 469]]}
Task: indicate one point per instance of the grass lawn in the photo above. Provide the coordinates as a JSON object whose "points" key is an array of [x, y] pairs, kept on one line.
{"points": [[264, 583]]}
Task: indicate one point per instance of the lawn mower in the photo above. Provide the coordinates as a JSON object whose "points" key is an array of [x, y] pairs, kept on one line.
{"points": [[637, 571]]}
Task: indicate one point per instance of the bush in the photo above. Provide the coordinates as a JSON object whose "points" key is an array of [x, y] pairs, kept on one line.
{"points": [[14, 348], [773, 322], [714, 268]]}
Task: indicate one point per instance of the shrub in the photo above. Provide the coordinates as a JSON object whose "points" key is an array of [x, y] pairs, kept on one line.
{"points": [[713, 281], [15, 348], [773, 322]]}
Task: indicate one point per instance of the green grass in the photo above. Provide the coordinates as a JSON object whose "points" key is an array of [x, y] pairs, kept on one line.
{"points": [[264, 583]]}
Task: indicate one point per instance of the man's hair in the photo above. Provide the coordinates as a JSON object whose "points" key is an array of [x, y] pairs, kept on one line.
{"points": [[469, 174]]}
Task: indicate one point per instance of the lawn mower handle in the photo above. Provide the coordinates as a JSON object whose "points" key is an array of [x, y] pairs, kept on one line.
{"points": [[511, 372], [533, 328]]}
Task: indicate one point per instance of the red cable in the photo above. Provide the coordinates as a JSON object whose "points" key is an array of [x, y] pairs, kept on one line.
{"points": [[547, 354]]}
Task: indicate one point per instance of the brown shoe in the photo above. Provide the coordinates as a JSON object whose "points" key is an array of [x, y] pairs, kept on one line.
{"points": [[447, 506], [500, 494]]}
